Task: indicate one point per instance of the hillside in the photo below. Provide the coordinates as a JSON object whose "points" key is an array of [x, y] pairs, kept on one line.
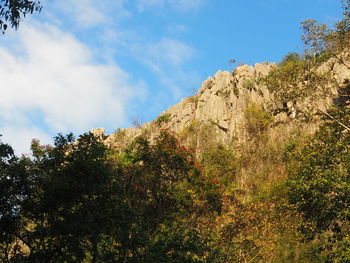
{"points": [[244, 135], [225, 102], [253, 168]]}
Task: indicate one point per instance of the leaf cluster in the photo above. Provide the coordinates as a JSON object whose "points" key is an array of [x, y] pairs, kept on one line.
{"points": [[163, 118], [12, 11]]}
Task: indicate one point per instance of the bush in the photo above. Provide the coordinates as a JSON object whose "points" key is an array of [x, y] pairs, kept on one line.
{"points": [[163, 118], [257, 119], [249, 84], [220, 164], [290, 57]]}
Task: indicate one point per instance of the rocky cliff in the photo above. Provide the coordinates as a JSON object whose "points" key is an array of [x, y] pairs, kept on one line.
{"points": [[221, 109]]}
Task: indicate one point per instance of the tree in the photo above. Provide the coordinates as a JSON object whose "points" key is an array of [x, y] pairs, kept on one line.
{"points": [[12, 11], [173, 200], [297, 79], [319, 185], [323, 42], [78, 201], [15, 189], [77, 212], [346, 8]]}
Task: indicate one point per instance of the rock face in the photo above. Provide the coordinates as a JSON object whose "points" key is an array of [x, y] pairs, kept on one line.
{"points": [[221, 105], [221, 102]]}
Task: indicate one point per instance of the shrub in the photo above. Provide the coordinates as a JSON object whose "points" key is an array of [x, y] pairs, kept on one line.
{"points": [[163, 118], [257, 119], [249, 84], [290, 57], [220, 164]]}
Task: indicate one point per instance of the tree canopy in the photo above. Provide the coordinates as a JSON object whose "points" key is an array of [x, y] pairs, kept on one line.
{"points": [[80, 202]]}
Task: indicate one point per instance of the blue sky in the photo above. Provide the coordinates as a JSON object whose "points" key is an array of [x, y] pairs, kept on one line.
{"points": [[81, 64]]}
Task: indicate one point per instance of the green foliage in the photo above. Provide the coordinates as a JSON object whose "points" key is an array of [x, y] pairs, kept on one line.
{"points": [[12, 11], [290, 57], [315, 36], [234, 88], [323, 42], [295, 80], [77, 202], [165, 191], [285, 80], [257, 119], [220, 164], [199, 135], [249, 84], [342, 254], [319, 184], [346, 8], [14, 190], [163, 118], [75, 211]]}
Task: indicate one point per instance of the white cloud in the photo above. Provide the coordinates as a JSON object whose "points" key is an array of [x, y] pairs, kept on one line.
{"points": [[166, 58], [51, 83], [86, 13], [165, 54]]}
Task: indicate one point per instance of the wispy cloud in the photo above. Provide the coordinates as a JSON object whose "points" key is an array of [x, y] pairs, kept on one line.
{"points": [[180, 5], [177, 29], [61, 75], [165, 54], [85, 13], [50, 80], [186, 5], [167, 58], [142, 5]]}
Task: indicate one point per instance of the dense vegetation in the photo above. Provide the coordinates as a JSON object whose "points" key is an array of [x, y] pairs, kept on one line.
{"points": [[80, 202], [282, 196]]}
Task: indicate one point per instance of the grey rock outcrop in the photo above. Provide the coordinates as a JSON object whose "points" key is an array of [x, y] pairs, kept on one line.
{"points": [[221, 103]]}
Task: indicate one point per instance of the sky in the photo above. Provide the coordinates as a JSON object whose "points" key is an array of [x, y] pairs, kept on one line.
{"points": [[83, 64]]}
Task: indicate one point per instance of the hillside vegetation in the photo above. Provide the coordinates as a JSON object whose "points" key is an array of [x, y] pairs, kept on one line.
{"points": [[254, 168]]}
